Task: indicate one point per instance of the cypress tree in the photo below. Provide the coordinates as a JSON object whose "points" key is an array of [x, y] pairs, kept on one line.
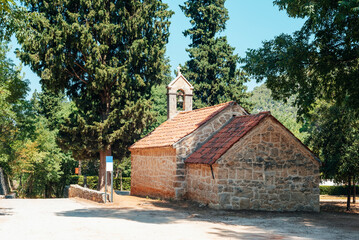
{"points": [[213, 66], [106, 55]]}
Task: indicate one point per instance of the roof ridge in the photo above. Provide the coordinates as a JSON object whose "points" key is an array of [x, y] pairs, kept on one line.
{"points": [[254, 114], [199, 109]]}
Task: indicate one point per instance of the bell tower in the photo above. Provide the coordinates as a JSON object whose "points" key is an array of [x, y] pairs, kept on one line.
{"points": [[179, 95]]}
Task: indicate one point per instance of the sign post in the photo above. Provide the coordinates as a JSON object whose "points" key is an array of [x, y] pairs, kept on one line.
{"points": [[112, 186], [109, 168], [106, 184]]}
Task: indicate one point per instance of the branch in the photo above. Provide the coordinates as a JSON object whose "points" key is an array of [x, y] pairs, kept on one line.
{"points": [[74, 74]]}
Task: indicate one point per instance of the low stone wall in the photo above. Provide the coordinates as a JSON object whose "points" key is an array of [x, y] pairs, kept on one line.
{"points": [[3, 188], [86, 193]]}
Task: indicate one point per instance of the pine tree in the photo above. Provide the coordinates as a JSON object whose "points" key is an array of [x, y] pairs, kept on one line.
{"points": [[106, 55], [213, 66]]}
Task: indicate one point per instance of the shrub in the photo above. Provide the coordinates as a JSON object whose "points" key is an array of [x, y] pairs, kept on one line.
{"points": [[335, 190], [74, 179], [92, 182], [126, 183]]}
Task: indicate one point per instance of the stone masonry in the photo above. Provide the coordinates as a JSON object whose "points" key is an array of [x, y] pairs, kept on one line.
{"points": [[154, 172], [191, 142], [86, 193], [265, 170], [160, 172]]}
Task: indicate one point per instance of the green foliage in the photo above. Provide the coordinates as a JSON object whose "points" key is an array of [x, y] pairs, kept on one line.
{"points": [[39, 165], [13, 89], [159, 107], [74, 179], [334, 190], [318, 61], [92, 182], [12, 18], [123, 167], [212, 68], [6, 4], [126, 183], [107, 56], [334, 136], [284, 111]]}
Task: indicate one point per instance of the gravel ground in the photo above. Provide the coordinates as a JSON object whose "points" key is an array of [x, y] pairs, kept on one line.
{"points": [[139, 218]]}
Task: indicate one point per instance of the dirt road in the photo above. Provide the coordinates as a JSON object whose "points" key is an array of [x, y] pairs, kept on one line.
{"points": [[135, 218]]}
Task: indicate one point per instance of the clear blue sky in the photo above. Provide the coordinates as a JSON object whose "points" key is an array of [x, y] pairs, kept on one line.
{"points": [[250, 23]]}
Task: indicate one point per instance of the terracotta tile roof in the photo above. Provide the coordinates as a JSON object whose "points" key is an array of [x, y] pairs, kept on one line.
{"points": [[212, 150], [180, 126]]}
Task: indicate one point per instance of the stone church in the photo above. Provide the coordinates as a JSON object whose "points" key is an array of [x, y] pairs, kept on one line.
{"points": [[225, 157]]}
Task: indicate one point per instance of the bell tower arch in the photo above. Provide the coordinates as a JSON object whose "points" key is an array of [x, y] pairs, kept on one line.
{"points": [[179, 95]]}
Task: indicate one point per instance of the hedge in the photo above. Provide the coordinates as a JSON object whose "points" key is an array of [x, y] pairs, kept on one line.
{"points": [[93, 180], [335, 190]]}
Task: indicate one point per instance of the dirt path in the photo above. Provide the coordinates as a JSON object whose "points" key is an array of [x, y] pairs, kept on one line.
{"points": [[139, 218]]}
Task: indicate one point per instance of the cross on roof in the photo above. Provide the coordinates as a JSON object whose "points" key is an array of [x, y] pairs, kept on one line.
{"points": [[178, 70]]}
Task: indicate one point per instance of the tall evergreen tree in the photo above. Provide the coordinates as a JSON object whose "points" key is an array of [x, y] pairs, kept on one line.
{"points": [[106, 55], [213, 66]]}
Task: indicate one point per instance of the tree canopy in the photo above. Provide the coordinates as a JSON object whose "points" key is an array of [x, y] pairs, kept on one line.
{"points": [[106, 56], [334, 136], [13, 90], [213, 66], [318, 61], [262, 100]]}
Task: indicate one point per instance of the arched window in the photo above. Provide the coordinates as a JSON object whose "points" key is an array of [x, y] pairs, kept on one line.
{"points": [[180, 100]]}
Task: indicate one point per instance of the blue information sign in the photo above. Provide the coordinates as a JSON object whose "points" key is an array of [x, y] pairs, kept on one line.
{"points": [[109, 159], [109, 163]]}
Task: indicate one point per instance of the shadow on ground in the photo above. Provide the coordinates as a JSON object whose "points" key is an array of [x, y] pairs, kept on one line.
{"points": [[5, 211], [233, 224], [229, 234], [143, 216]]}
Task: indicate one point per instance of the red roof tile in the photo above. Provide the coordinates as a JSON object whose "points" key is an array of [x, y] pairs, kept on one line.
{"points": [[180, 126], [212, 150]]}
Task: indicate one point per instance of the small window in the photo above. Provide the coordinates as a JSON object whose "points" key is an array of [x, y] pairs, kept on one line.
{"points": [[180, 100]]}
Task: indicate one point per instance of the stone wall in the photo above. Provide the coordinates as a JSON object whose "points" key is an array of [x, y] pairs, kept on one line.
{"points": [[268, 169], [3, 188], [153, 172], [191, 142], [86, 193], [201, 186]]}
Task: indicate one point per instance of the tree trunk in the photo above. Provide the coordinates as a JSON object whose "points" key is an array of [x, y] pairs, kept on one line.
{"points": [[354, 190], [80, 165], [106, 100], [102, 170], [348, 197]]}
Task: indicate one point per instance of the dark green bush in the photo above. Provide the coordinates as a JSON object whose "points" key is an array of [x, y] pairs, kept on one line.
{"points": [[335, 190], [74, 179], [126, 183], [93, 180]]}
